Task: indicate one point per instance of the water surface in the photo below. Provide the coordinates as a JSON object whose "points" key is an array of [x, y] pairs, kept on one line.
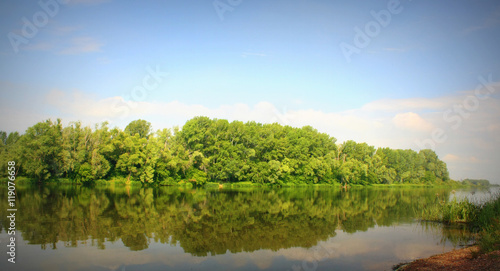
{"points": [[171, 228]]}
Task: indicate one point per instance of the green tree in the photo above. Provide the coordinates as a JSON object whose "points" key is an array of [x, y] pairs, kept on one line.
{"points": [[9, 151], [212, 150], [141, 127], [42, 150]]}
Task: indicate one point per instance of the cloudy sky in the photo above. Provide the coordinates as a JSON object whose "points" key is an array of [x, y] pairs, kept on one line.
{"points": [[400, 74]]}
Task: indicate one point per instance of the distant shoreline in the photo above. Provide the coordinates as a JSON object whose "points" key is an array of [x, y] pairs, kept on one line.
{"points": [[184, 183]]}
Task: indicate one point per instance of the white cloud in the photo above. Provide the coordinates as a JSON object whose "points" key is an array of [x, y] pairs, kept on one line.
{"points": [[80, 45], [455, 158], [491, 21], [90, 108], [41, 46], [64, 30], [451, 158], [474, 159], [412, 121], [404, 104], [65, 40], [493, 127]]}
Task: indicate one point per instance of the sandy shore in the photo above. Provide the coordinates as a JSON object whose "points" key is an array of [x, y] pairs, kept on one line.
{"points": [[460, 259]]}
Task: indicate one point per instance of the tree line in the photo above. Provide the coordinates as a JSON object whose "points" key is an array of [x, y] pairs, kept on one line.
{"points": [[210, 150], [478, 182]]}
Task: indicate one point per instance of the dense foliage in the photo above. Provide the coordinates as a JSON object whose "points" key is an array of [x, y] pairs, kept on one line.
{"points": [[211, 150], [480, 182]]}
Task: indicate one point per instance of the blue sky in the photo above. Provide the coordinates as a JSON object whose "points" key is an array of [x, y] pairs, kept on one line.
{"points": [[269, 61]]}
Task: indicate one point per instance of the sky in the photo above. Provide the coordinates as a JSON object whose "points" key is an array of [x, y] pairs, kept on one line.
{"points": [[400, 74]]}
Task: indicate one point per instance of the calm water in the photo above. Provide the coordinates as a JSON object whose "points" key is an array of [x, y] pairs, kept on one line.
{"points": [[77, 228]]}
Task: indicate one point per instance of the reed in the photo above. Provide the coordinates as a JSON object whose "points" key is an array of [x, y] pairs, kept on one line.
{"points": [[483, 218]]}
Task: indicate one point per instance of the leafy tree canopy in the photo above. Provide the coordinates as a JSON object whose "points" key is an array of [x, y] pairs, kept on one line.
{"points": [[212, 150]]}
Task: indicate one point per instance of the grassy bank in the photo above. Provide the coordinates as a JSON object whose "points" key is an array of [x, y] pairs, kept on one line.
{"points": [[482, 218]]}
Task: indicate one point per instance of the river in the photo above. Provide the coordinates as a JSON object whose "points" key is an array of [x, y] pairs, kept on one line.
{"points": [[172, 228]]}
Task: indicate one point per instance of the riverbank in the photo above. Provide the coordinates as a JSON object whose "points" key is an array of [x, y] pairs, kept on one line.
{"points": [[485, 255], [460, 259], [190, 183]]}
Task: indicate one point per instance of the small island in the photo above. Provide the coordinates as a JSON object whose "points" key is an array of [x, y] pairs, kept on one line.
{"points": [[211, 152]]}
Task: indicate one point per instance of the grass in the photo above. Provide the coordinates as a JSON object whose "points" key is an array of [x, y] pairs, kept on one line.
{"points": [[459, 211], [484, 219], [489, 238], [245, 184], [433, 213], [488, 221], [451, 212]]}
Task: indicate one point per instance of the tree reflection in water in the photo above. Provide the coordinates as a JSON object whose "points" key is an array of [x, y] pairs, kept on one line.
{"points": [[212, 222]]}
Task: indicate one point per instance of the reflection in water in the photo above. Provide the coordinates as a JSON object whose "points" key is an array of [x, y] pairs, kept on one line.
{"points": [[203, 223], [457, 235], [477, 195]]}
